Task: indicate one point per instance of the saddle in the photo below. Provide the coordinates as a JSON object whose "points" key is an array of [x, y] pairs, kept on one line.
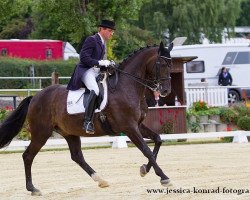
{"points": [[75, 98]]}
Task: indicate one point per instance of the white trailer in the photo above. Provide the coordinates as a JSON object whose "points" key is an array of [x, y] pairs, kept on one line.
{"points": [[211, 58]]}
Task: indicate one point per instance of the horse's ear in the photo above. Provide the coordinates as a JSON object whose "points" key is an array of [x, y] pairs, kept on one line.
{"points": [[170, 46], [161, 48], [161, 45]]}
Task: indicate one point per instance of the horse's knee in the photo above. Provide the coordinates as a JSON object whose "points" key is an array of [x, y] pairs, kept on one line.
{"points": [[75, 157], [26, 157], [158, 142], [158, 139]]}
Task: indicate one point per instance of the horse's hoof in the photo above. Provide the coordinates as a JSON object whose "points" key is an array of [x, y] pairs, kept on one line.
{"points": [[36, 192], [166, 183], [143, 170], [103, 184]]}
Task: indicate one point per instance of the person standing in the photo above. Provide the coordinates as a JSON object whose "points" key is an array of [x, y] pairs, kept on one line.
{"points": [[85, 73], [225, 77]]}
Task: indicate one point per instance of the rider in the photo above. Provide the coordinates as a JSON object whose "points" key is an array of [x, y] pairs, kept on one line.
{"points": [[92, 57]]}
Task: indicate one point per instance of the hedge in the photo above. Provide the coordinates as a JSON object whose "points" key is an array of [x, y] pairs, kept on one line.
{"points": [[15, 67], [244, 123]]}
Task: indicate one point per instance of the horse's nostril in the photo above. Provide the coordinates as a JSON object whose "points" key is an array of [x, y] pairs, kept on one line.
{"points": [[165, 93]]}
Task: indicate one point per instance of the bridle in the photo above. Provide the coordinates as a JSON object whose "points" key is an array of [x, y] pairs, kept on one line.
{"points": [[153, 83], [158, 79]]}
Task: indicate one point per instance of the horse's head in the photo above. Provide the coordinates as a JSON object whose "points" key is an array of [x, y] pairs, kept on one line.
{"points": [[154, 71], [160, 73]]}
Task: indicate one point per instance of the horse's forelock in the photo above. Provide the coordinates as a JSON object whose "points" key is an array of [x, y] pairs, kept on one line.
{"points": [[165, 51]]}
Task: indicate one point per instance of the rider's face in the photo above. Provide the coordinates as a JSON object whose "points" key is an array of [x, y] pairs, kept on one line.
{"points": [[106, 33]]}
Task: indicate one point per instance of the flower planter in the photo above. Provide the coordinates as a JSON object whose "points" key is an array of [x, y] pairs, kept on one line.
{"points": [[209, 127], [203, 118], [192, 119], [201, 128], [215, 118], [221, 127]]}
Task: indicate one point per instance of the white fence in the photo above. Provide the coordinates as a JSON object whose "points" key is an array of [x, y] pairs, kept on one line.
{"points": [[213, 95], [32, 79], [121, 141]]}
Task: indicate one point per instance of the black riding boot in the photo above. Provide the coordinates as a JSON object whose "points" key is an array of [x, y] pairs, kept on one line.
{"points": [[88, 125]]}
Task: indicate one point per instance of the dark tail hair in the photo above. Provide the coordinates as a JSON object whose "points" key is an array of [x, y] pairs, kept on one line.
{"points": [[14, 123]]}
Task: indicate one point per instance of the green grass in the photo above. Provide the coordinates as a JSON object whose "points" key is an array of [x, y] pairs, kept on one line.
{"points": [[167, 143], [19, 93]]}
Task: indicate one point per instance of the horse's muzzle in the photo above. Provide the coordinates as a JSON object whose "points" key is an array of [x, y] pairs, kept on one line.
{"points": [[165, 89], [164, 93]]}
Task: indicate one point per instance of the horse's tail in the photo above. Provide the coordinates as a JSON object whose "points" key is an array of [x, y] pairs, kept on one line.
{"points": [[13, 123]]}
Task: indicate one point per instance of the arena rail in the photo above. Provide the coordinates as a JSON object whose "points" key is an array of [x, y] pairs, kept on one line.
{"points": [[121, 141], [33, 78]]}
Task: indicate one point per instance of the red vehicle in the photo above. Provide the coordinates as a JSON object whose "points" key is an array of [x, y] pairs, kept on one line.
{"points": [[35, 49]]}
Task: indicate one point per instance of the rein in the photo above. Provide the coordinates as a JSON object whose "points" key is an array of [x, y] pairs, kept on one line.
{"points": [[142, 81]]}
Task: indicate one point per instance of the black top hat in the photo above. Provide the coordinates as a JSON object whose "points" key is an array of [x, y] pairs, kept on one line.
{"points": [[107, 24]]}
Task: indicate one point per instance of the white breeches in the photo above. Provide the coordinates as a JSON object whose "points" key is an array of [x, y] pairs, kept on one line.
{"points": [[89, 79]]}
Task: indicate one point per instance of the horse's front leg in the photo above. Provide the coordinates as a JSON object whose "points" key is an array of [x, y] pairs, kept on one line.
{"points": [[136, 137], [148, 133]]}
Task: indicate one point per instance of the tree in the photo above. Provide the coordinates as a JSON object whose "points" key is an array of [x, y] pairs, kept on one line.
{"points": [[81, 18], [6, 7], [191, 18], [15, 21], [131, 38], [70, 20], [17, 28], [244, 18]]}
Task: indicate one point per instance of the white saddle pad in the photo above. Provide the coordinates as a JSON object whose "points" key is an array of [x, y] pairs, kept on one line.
{"points": [[75, 100]]}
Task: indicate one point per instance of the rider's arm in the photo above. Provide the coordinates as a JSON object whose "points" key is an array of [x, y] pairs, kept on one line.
{"points": [[87, 51]]}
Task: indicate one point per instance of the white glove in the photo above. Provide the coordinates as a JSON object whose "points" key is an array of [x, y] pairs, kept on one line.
{"points": [[112, 63], [105, 63]]}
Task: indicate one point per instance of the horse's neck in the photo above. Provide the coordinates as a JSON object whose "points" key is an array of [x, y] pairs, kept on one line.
{"points": [[136, 67]]}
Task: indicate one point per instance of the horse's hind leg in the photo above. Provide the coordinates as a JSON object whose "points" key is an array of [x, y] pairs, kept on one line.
{"points": [[38, 140], [147, 133], [74, 143]]}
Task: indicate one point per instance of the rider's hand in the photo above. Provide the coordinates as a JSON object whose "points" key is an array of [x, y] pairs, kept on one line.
{"points": [[112, 63], [104, 63]]}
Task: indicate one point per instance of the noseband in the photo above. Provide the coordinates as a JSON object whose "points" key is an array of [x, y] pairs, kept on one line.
{"points": [[154, 83], [158, 79]]}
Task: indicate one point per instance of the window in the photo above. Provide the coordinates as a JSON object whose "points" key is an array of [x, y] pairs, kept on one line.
{"points": [[195, 67], [4, 52], [228, 60], [243, 58], [237, 58], [48, 53]]}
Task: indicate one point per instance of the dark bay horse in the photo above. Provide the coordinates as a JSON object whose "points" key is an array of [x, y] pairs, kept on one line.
{"points": [[125, 111]]}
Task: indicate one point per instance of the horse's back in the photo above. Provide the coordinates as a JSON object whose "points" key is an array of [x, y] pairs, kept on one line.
{"points": [[49, 93], [48, 100]]}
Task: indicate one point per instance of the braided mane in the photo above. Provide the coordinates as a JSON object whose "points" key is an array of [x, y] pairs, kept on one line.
{"points": [[134, 53]]}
